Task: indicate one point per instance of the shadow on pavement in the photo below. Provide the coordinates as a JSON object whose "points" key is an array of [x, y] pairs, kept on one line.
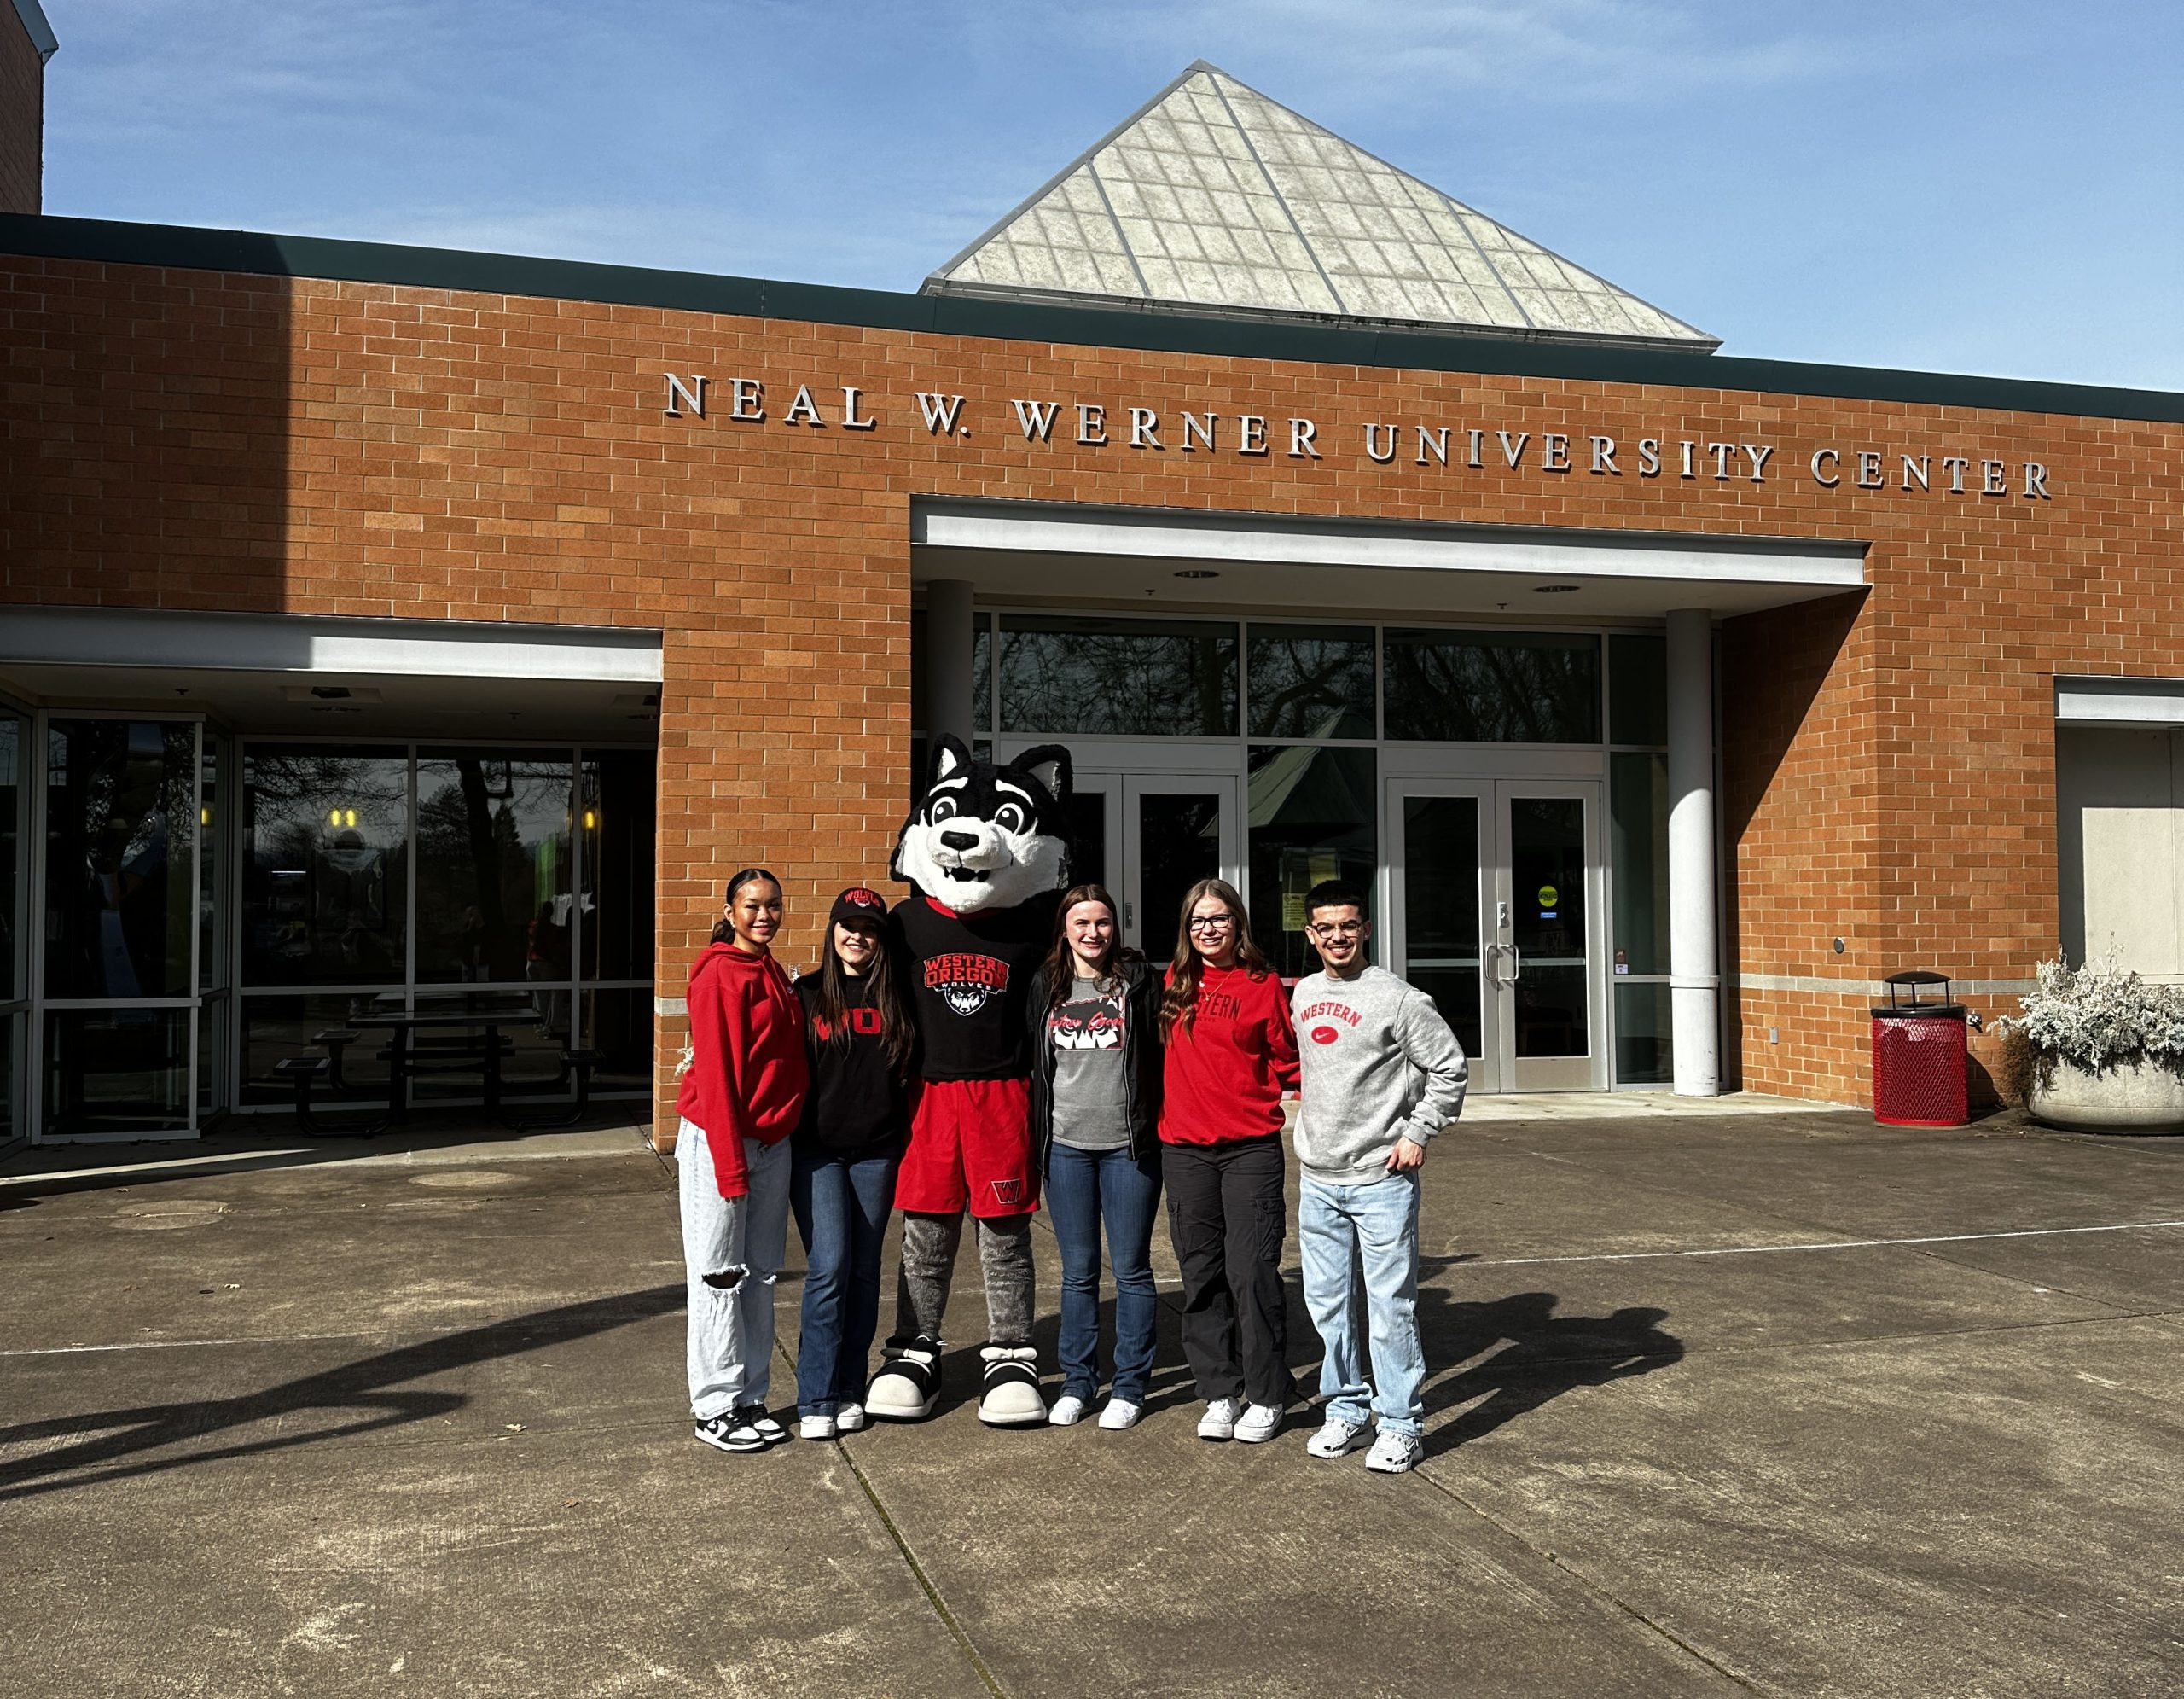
{"points": [[1543, 1356], [56, 1171], [368, 1386]]}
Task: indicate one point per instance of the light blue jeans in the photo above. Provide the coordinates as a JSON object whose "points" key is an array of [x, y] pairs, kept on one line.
{"points": [[732, 1248], [1378, 1221]]}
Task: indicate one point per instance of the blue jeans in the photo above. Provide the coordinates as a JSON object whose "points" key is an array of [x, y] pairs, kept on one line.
{"points": [[1084, 1188], [841, 1211], [1380, 1222]]}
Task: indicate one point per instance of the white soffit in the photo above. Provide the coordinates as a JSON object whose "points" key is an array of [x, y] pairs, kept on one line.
{"points": [[288, 642], [1804, 568], [2120, 701]]}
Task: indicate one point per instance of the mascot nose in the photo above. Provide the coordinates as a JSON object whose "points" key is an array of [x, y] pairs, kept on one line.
{"points": [[960, 840]]}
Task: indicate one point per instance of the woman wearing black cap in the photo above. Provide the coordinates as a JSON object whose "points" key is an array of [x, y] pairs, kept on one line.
{"points": [[856, 1118]]}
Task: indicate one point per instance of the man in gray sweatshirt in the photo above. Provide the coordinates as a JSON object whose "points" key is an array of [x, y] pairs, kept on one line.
{"points": [[1381, 1074]]}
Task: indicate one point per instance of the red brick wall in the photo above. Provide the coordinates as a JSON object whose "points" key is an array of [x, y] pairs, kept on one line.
{"points": [[190, 440], [22, 116]]}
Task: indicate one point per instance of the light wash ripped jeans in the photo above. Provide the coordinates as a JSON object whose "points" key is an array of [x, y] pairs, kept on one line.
{"points": [[1380, 1221], [732, 1248]]}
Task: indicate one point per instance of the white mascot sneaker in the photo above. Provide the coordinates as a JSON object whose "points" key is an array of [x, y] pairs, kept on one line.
{"points": [[1013, 1398], [908, 1385]]}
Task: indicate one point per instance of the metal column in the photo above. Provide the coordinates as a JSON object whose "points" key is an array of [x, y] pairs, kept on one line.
{"points": [[1694, 951]]}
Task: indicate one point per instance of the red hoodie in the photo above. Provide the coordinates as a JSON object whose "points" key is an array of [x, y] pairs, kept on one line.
{"points": [[747, 1073], [1226, 1079]]}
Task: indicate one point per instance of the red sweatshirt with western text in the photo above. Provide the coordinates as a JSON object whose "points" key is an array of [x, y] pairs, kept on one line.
{"points": [[748, 1074], [1226, 1079]]}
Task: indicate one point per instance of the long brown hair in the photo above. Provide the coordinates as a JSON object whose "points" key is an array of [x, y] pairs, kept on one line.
{"points": [[830, 1026], [1179, 1003], [1060, 966], [724, 928]]}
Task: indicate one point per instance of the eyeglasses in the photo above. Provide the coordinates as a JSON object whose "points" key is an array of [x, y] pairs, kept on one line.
{"points": [[1211, 922], [1347, 928]]}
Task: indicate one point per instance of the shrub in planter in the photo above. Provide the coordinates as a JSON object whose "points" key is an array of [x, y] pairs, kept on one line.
{"points": [[2100, 1049]]}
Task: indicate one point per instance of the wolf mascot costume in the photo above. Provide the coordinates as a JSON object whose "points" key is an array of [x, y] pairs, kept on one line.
{"points": [[986, 854]]}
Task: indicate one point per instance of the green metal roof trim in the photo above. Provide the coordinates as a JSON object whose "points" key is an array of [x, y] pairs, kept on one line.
{"points": [[254, 253]]}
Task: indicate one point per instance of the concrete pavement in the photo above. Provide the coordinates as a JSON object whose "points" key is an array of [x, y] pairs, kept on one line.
{"points": [[1753, 1399]]}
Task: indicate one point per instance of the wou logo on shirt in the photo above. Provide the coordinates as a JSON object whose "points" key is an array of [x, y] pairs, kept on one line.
{"points": [[966, 981]]}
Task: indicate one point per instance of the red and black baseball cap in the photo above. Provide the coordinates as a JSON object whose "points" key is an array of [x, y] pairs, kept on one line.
{"points": [[859, 905]]}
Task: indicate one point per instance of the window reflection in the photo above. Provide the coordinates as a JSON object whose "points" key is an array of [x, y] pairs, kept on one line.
{"points": [[1638, 690], [116, 1070], [618, 793], [13, 736], [1121, 678], [1310, 681], [493, 876], [121, 869], [1491, 687], [326, 865], [1311, 819]]}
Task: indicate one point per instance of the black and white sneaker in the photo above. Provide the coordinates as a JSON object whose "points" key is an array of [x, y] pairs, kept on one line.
{"points": [[754, 1416], [730, 1434]]}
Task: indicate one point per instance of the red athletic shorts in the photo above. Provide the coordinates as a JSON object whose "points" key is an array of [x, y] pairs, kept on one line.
{"points": [[970, 1143]]}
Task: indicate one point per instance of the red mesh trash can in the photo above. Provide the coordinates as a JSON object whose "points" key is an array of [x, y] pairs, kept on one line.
{"points": [[1919, 1054]]}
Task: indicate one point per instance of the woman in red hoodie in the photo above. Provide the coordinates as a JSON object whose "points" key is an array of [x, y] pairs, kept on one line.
{"points": [[742, 1096], [1230, 1058]]}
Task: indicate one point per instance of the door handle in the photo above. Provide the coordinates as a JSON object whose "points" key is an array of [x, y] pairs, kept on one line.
{"points": [[1515, 956]]}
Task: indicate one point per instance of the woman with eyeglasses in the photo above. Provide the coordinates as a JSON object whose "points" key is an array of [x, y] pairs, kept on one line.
{"points": [[1230, 1058]]}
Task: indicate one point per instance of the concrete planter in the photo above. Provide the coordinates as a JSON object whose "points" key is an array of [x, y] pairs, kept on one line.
{"points": [[2136, 1097]]}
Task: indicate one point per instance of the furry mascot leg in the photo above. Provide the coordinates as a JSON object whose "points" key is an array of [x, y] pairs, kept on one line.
{"points": [[908, 1385], [1013, 1398]]}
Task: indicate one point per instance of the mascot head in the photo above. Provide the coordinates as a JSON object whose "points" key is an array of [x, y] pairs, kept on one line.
{"points": [[988, 837]]}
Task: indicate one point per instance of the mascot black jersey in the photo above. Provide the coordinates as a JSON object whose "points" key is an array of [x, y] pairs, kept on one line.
{"points": [[969, 975]]}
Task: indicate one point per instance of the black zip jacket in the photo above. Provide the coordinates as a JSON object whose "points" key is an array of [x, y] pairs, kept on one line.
{"points": [[1141, 1073]]}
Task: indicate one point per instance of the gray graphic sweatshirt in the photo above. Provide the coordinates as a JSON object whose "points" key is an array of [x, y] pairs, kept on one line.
{"points": [[1379, 1063]]}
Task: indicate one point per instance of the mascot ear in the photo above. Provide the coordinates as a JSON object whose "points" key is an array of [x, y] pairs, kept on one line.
{"points": [[949, 755], [1049, 765]]}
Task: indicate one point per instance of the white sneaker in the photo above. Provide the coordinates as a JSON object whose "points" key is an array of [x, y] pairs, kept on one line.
{"points": [[814, 1428], [1258, 1423], [1069, 1410], [1120, 1413], [1395, 1453], [1336, 1436], [1219, 1422], [849, 1417]]}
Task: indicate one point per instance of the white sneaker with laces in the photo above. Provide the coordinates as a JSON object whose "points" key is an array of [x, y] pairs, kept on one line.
{"points": [[1069, 1410], [1258, 1423], [1336, 1437], [1219, 1422], [1120, 1413], [814, 1428], [1395, 1453], [849, 1417]]}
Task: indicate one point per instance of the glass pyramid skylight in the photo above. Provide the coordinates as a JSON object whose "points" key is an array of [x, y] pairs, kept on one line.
{"points": [[1211, 198]]}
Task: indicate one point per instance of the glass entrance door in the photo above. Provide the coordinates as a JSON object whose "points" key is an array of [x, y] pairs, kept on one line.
{"points": [[117, 974], [1177, 828], [1494, 908]]}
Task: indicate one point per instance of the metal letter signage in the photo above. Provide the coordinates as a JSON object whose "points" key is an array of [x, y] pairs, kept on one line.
{"points": [[1444, 449]]}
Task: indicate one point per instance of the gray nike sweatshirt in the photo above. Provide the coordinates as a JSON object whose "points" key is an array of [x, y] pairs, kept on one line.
{"points": [[1379, 1063]]}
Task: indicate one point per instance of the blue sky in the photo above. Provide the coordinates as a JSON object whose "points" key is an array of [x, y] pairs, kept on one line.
{"points": [[1994, 187]]}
